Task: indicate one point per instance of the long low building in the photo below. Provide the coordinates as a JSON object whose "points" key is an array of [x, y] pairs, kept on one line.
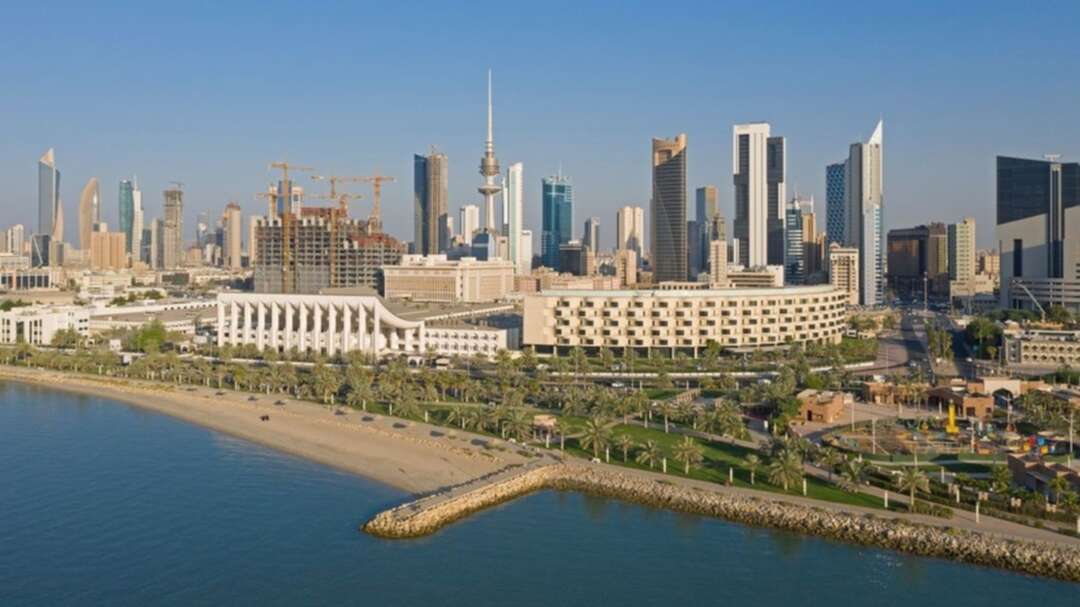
{"points": [[684, 320], [336, 324], [37, 325]]}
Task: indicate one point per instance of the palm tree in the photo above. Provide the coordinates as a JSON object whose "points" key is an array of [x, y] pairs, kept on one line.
{"points": [[1059, 485], [786, 469], [457, 415], [407, 405], [752, 462], [912, 479], [830, 459], [650, 453], [625, 443], [689, 452], [518, 425], [668, 410], [595, 436]]}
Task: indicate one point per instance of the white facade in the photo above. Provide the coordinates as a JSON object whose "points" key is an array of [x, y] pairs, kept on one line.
{"points": [[470, 221], [525, 252], [513, 196], [233, 226], [434, 278], [337, 324], [752, 214], [864, 204], [137, 221], [630, 229], [37, 325]]}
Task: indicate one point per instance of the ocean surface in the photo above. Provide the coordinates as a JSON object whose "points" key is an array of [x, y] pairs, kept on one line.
{"points": [[102, 503]]}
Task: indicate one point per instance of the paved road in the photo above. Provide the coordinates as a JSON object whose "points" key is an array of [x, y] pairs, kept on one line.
{"points": [[898, 348]]}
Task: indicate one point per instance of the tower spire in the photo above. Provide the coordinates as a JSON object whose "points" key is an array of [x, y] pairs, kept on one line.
{"points": [[489, 170], [490, 135]]}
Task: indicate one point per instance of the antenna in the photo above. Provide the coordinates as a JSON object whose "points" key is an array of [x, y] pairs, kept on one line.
{"points": [[1052, 157]]}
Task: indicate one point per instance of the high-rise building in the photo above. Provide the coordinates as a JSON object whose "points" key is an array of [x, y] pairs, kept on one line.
{"points": [[794, 249], [716, 237], [835, 203], [630, 230], [695, 263], [89, 212], [706, 205], [232, 221], [106, 250], [577, 258], [131, 219], [1038, 232], [172, 230], [844, 271], [759, 168], [525, 252], [14, 239], [202, 229], [469, 218], [591, 237], [864, 209], [667, 210], [430, 202], [962, 250], [50, 226], [155, 239], [557, 199], [514, 197], [252, 247], [489, 170], [813, 242]]}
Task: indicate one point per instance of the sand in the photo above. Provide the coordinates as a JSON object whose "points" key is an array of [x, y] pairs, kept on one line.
{"points": [[412, 456]]}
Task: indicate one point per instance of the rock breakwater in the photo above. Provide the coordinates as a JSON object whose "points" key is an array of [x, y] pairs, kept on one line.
{"points": [[429, 514]]}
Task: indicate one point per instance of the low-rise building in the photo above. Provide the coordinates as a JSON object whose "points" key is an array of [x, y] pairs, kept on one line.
{"points": [[820, 406], [1040, 347], [684, 319], [967, 402], [844, 271], [1032, 472], [434, 278], [37, 325]]}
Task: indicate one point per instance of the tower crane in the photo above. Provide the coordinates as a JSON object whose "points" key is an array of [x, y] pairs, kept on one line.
{"points": [[376, 181], [342, 198], [286, 217]]}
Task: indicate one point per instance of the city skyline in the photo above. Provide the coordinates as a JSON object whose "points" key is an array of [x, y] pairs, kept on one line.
{"points": [[222, 151]]}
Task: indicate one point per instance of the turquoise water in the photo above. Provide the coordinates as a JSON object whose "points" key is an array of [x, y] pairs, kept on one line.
{"points": [[102, 503]]}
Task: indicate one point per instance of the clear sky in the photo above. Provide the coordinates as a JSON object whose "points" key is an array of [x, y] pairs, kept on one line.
{"points": [[208, 93]]}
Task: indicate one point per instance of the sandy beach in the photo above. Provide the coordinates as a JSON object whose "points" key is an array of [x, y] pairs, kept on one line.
{"points": [[412, 456]]}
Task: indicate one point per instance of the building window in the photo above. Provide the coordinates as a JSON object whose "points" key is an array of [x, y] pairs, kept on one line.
{"points": [[1018, 257]]}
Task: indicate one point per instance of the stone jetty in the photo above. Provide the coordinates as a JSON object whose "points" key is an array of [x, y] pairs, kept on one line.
{"points": [[430, 513]]}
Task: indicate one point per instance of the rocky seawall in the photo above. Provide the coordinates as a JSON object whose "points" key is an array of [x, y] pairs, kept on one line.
{"points": [[427, 515]]}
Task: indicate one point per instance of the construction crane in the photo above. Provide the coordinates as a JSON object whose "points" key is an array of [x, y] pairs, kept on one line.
{"points": [[342, 198], [285, 167], [179, 184], [376, 181], [286, 217]]}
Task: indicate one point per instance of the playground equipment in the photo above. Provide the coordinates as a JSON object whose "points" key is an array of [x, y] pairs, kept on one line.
{"points": [[951, 427]]}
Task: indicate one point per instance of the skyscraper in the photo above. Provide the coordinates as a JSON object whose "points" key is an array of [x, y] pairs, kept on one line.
{"points": [[794, 245], [89, 212], [667, 210], [706, 203], [864, 208], [469, 218], [759, 168], [233, 227], [172, 229], [962, 250], [1038, 232], [591, 236], [835, 218], [630, 230], [489, 170], [430, 202], [514, 196], [557, 200], [50, 226], [525, 252]]}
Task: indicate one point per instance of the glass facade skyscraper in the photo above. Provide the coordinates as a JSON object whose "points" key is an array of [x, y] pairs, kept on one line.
{"points": [[127, 214], [834, 203], [557, 200], [669, 255]]}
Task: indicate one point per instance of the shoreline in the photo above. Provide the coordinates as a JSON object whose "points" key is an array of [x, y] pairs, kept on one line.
{"points": [[410, 456]]}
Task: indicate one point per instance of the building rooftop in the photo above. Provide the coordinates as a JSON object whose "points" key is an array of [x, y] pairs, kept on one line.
{"points": [[677, 293]]}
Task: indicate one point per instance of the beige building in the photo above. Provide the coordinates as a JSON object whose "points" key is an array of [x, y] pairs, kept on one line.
{"points": [[630, 230], [684, 319], [626, 266], [1041, 348], [232, 221], [107, 251], [433, 278], [844, 271], [756, 278]]}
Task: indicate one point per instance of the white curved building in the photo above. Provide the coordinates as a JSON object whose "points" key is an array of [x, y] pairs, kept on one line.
{"points": [[336, 324], [684, 319]]}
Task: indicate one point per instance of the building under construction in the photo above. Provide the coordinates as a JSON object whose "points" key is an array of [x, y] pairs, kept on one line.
{"points": [[318, 248]]}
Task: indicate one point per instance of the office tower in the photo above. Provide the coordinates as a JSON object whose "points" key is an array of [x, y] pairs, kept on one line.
{"points": [[89, 212], [813, 249], [50, 225], [469, 218], [107, 250], [557, 200], [706, 204], [430, 202], [835, 210], [155, 238], [525, 252], [630, 228], [844, 271], [489, 170], [513, 196], [172, 230], [695, 263], [716, 237], [863, 211], [202, 229], [794, 251], [626, 267], [131, 219], [576, 258], [667, 210], [591, 236], [14, 238], [962, 250], [232, 222], [252, 246], [759, 168]]}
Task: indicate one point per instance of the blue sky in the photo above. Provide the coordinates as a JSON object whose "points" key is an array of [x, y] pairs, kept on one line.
{"points": [[209, 93]]}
